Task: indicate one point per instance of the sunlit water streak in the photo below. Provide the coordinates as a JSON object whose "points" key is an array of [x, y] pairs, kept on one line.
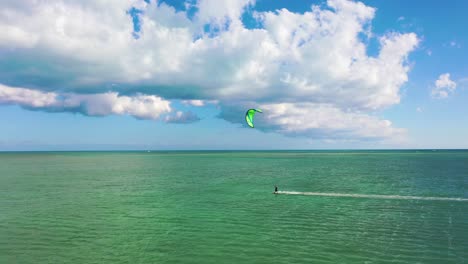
{"points": [[375, 196]]}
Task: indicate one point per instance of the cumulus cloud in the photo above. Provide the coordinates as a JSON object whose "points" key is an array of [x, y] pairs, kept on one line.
{"points": [[221, 13], [443, 86], [293, 60], [321, 121], [324, 120], [26, 97], [139, 106]]}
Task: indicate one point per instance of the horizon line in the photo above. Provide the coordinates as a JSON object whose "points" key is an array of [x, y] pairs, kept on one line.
{"points": [[237, 150]]}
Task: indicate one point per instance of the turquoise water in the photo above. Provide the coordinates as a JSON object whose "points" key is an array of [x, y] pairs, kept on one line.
{"points": [[218, 207]]}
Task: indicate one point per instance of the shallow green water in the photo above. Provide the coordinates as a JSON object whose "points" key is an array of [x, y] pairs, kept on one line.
{"points": [[218, 207]]}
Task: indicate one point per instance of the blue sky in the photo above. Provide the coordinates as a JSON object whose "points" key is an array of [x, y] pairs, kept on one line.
{"points": [[180, 74]]}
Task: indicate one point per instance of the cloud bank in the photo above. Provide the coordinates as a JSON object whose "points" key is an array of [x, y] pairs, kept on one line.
{"points": [[139, 106], [310, 70]]}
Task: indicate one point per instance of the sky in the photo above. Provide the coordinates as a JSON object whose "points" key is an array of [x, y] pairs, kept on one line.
{"points": [[180, 75]]}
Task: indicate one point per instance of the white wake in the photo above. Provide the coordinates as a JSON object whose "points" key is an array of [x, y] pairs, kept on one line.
{"points": [[376, 196]]}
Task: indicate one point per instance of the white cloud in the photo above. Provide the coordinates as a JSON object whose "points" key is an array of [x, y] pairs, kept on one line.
{"points": [[328, 121], [26, 97], [219, 13], [302, 59], [419, 109], [139, 106], [322, 121], [443, 86], [181, 118]]}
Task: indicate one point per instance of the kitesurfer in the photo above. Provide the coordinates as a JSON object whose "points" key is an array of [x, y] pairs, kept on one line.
{"points": [[276, 189]]}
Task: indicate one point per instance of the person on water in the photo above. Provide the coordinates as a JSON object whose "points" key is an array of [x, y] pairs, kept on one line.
{"points": [[276, 189]]}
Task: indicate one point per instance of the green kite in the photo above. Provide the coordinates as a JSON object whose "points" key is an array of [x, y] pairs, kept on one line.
{"points": [[249, 115]]}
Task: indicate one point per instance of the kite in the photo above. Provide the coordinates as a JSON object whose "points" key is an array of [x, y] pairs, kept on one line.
{"points": [[249, 115]]}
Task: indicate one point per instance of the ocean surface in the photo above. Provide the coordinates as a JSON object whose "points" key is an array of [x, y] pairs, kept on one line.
{"points": [[218, 207]]}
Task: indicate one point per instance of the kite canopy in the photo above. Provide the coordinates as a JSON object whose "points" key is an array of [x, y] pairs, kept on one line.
{"points": [[249, 115]]}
